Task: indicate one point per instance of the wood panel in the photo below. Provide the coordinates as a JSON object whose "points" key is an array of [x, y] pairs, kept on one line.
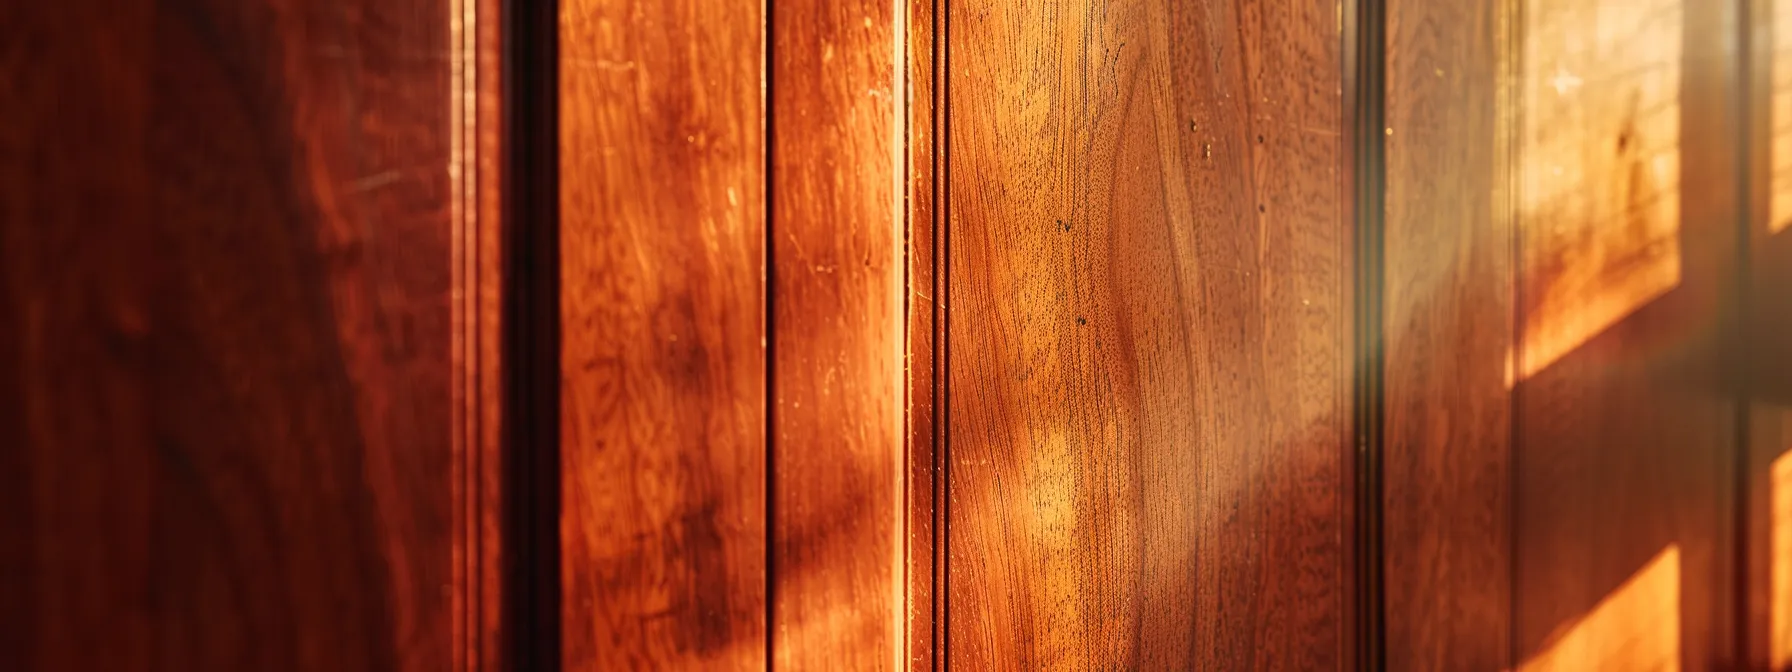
{"points": [[1148, 380], [227, 235], [1448, 326], [1626, 434], [1768, 318], [663, 453], [838, 513]]}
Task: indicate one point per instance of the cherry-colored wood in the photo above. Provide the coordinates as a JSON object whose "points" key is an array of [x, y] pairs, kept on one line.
{"points": [[227, 262], [838, 517], [1448, 326], [1148, 368], [663, 453]]}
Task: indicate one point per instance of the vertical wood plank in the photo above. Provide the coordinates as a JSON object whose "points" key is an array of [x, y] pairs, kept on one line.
{"points": [[838, 513], [1626, 440], [1448, 325], [663, 346], [226, 285], [1768, 319], [1148, 367]]}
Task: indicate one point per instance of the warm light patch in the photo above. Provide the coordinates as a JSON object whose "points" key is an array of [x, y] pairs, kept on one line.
{"points": [[1780, 582], [1636, 627], [1599, 168], [1780, 211]]}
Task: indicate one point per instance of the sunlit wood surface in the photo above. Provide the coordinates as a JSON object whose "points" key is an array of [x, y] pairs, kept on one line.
{"points": [[663, 374], [1599, 167], [1148, 371], [1624, 438], [1636, 627], [1780, 569], [1561, 237]]}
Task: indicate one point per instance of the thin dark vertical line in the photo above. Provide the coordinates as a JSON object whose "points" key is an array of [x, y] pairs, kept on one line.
{"points": [[768, 24], [531, 461], [941, 341], [1370, 179], [906, 468], [942, 73], [1349, 648]]}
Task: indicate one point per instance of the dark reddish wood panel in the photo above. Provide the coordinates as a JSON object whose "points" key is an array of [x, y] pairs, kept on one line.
{"points": [[1148, 369], [662, 202], [1448, 326], [839, 520], [226, 264]]}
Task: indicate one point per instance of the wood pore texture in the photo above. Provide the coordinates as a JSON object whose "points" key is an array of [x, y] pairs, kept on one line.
{"points": [[663, 453], [1148, 378], [228, 245]]}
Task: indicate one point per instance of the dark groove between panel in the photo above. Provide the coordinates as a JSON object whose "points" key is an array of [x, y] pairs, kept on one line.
{"points": [[531, 189], [942, 185], [1369, 175]]}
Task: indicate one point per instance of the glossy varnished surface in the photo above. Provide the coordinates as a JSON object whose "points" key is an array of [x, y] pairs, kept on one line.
{"points": [[662, 188], [1147, 376], [225, 240]]}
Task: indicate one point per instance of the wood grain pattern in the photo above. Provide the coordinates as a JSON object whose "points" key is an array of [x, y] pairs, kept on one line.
{"points": [[1448, 326], [1626, 439], [225, 237], [1148, 377], [663, 346], [838, 518]]}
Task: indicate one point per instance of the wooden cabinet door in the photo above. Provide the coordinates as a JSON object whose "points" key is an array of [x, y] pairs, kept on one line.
{"points": [[880, 334]]}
